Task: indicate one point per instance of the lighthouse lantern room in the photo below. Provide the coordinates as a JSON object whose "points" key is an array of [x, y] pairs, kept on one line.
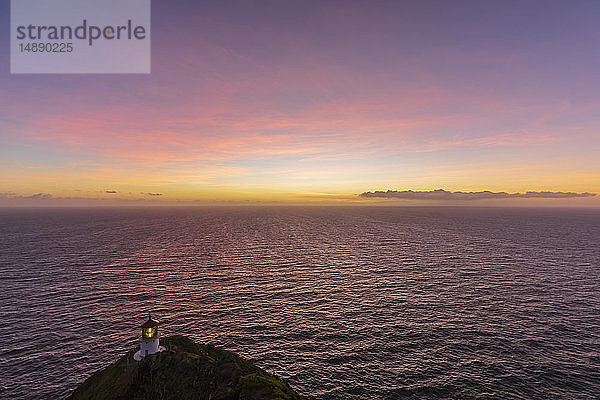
{"points": [[150, 339]]}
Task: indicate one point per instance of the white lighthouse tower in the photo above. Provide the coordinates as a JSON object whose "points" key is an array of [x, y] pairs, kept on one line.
{"points": [[150, 340]]}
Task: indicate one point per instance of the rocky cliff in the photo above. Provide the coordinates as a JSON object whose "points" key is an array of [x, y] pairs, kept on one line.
{"points": [[186, 370]]}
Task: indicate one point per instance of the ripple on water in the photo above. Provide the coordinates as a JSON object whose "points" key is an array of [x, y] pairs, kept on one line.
{"points": [[344, 303]]}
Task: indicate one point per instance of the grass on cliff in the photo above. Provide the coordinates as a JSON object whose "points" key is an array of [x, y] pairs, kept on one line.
{"points": [[187, 370]]}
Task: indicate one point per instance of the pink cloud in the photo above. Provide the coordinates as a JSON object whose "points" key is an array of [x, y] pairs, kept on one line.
{"points": [[252, 108], [214, 132]]}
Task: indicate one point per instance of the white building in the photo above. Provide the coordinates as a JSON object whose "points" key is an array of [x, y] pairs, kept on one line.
{"points": [[150, 340]]}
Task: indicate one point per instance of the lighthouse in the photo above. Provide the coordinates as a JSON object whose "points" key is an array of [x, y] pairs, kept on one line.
{"points": [[150, 339]]}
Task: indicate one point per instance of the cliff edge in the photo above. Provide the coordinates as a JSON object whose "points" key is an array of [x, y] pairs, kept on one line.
{"points": [[186, 370]]}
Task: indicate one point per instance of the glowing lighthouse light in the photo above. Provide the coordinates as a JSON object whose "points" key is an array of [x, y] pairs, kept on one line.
{"points": [[150, 340]]}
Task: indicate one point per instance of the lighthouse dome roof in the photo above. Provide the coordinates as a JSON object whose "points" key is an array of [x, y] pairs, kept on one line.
{"points": [[151, 323]]}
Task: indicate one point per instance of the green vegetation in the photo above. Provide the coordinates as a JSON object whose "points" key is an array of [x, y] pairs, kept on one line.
{"points": [[187, 370]]}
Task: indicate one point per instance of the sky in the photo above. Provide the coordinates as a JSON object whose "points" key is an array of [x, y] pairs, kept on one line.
{"points": [[318, 101]]}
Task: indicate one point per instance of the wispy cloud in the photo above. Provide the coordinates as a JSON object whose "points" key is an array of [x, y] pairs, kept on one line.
{"points": [[310, 105], [37, 196], [441, 194]]}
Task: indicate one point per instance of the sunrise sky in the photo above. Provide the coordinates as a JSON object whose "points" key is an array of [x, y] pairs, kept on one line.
{"points": [[317, 101]]}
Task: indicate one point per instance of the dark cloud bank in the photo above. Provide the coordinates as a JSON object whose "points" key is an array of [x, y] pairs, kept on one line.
{"points": [[441, 194]]}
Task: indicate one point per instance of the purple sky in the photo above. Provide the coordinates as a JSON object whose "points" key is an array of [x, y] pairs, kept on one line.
{"points": [[318, 100]]}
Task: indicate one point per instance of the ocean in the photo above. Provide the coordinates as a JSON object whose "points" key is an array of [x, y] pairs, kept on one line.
{"points": [[341, 302]]}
